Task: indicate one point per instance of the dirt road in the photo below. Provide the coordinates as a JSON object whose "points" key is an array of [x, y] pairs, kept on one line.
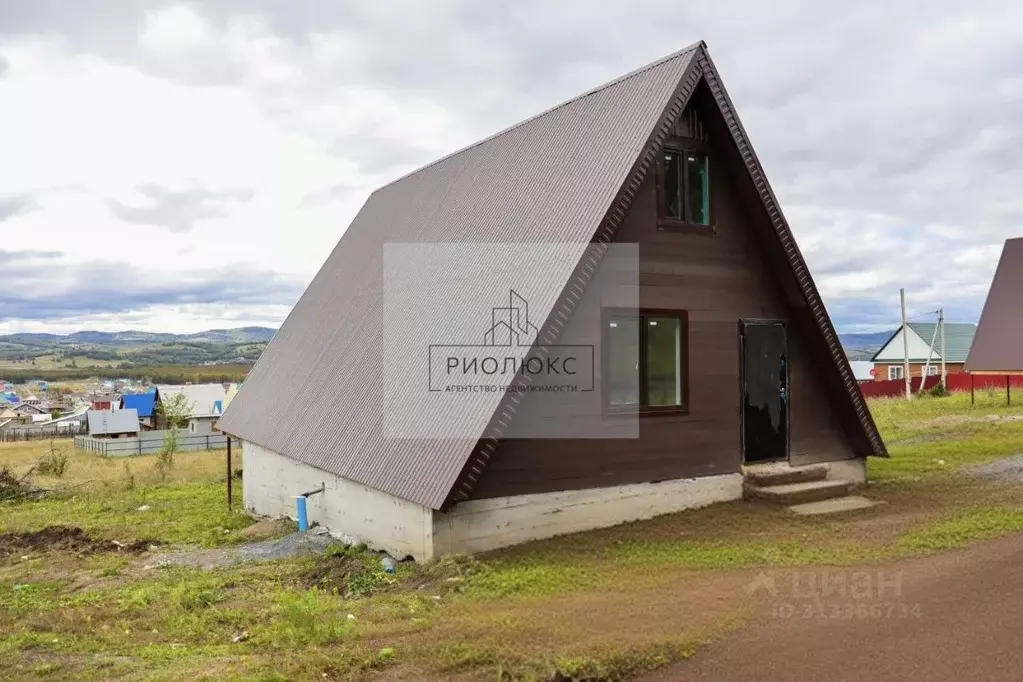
{"points": [[952, 617]]}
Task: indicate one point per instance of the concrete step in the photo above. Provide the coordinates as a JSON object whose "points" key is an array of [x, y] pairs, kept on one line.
{"points": [[797, 493], [764, 475], [835, 506]]}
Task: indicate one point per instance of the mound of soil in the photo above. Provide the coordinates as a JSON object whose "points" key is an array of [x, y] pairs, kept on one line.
{"points": [[66, 539], [335, 574]]}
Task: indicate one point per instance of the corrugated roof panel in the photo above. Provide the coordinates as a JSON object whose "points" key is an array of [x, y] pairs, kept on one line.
{"points": [[103, 422], [201, 398], [144, 403], [549, 179], [998, 344], [958, 337]]}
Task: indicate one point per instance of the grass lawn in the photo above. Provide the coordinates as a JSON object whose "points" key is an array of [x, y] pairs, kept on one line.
{"points": [[603, 605]]}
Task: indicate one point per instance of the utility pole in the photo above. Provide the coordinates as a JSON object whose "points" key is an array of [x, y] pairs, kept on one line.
{"points": [[905, 346], [941, 327], [927, 365]]}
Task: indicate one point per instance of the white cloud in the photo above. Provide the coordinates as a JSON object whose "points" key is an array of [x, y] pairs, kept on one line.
{"points": [[176, 28], [190, 139]]}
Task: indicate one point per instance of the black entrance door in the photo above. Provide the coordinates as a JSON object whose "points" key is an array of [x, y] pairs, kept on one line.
{"points": [[764, 387]]}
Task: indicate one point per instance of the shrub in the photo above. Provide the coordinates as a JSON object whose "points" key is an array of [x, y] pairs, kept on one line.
{"points": [[165, 458], [129, 478], [54, 463]]}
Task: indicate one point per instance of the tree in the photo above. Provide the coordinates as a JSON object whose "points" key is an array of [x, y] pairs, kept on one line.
{"points": [[174, 410]]}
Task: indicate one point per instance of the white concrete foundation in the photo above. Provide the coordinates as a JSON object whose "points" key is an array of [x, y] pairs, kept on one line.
{"points": [[352, 511], [357, 513], [480, 525]]}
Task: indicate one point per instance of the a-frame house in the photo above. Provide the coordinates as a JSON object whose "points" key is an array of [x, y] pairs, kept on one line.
{"points": [[734, 360]]}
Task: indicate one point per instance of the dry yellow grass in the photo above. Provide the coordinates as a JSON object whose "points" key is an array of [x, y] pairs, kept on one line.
{"points": [[89, 469]]}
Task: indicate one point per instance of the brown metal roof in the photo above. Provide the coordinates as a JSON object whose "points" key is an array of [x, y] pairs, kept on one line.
{"points": [[549, 179], [565, 176], [998, 343]]}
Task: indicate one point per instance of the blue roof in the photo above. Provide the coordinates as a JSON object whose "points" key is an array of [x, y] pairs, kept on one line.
{"points": [[142, 402]]}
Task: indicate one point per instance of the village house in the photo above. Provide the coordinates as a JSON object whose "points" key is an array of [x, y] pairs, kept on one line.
{"points": [[204, 401], [34, 411], [144, 404], [998, 346], [113, 423], [724, 372], [104, 401], [889, 359]]}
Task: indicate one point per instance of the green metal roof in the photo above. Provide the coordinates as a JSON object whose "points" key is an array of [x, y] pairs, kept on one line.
{"points": [[958, 337]]}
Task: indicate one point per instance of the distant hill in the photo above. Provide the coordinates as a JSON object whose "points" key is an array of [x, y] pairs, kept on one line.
{"points": [[863, 346], [131, 348], [238, 335]]}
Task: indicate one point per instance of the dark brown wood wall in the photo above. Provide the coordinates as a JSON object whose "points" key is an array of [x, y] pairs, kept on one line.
{"points": [[719, 278]]}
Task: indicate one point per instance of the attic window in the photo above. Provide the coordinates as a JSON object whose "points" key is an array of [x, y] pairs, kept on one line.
{"points": [[683, 188]]}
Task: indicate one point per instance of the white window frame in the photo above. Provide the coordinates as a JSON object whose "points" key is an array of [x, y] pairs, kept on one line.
{"points": [[932, 371], [894, 372]]}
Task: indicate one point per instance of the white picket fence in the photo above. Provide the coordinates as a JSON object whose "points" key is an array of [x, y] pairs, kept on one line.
{"points": [[150, 442]]}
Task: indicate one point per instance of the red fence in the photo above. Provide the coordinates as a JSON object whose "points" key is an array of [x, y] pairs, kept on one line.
{"points": [[960, 381]]}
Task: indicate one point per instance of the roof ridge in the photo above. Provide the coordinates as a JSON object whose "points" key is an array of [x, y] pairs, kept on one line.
{"points": [[632, 74]]}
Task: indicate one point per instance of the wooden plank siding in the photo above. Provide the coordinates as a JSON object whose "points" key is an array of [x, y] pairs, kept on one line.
{"points": [[719, 277]]}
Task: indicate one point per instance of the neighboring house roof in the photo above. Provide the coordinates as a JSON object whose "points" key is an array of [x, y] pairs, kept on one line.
{"points": [[567, 176], [203, 398], [78, 415], [8, 413], [26, 408], [958, 337], [143, 403], [104, 422], [999, 343]]}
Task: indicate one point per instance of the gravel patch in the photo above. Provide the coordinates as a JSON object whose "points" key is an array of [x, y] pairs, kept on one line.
{"points": [[1008, 470], [311, 543]]}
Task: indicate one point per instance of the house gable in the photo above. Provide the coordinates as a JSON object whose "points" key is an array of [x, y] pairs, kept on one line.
{"points": [[919, 349], [834, 376], [717, 275], [614, 132], [998, 344]]}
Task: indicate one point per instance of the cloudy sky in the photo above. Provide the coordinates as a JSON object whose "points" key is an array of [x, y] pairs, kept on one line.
{"points": [[177, 166]]}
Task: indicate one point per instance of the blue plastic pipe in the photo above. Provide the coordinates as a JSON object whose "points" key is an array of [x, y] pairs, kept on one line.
{"points": [[303, 519]]}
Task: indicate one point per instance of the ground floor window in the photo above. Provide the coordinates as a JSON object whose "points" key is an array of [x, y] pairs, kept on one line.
{"points": [[932, 371], [895, 372], [646, 360]]}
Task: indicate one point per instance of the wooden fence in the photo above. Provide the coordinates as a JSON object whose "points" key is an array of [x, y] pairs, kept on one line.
{"points": [[19, 435], [150, 442]]}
